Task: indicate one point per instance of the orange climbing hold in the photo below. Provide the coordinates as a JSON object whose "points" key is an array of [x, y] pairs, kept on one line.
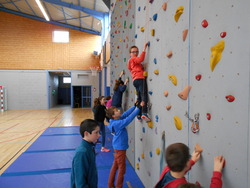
{"points": [[164, 6], [198, 148], [184, 94], [169, 54], [168, 107], [184, 34], [165, 93]]}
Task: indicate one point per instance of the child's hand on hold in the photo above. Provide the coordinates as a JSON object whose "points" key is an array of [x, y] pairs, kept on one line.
{"points": [[219, 162], [196, 156], [145, 46]]}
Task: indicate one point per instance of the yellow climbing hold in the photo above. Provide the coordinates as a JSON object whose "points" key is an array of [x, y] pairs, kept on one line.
{"points": [[173, 79], [137, 166], [216, 53], [142, 29], [153, 32], [156, 72], [142, 156], [177, 122], [150, 124], [178, 13], [145, 73], [158, 151]]}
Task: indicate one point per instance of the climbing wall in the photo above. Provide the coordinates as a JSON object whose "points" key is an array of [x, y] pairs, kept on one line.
{"points": [[198, 83]]}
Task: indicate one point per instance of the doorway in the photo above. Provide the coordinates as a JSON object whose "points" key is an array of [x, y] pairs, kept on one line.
{"points": [[82, 96]]}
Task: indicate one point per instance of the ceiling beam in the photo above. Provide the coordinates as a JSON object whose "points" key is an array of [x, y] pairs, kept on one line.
{"points": [[50, 22], [97, 14]]}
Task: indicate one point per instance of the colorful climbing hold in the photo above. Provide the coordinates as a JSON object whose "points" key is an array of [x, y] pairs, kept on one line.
{"points": [[150, 124], [155, 17], [165, 93], [178, 13], [169, 54], [158, 151], [142, 156], [223, 34], [184, 93], [184, 34], [142, 29], [216, 53], [230, 98], [198, 77], [168, 107], [177, 122], [153, 32], [145, 73], [137, 166], [164, 6], [130, 26], [173, 79], [156, 72], [208, 116], [155, 61], [204, 23]]}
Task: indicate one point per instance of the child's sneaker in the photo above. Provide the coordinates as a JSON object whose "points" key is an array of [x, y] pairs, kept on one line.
{"points": [[105, 149], [139, 118], [145, 117]]}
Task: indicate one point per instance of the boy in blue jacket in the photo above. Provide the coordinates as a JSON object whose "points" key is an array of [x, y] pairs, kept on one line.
{"points": [[117, 126], [84, 171]]}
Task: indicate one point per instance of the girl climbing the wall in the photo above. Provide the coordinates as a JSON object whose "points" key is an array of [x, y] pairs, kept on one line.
{"points": [[119, 89], [99, 111], [139, 81]]}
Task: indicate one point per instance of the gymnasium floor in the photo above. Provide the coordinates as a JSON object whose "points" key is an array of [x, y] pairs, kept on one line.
{"points": [[47, 162]]}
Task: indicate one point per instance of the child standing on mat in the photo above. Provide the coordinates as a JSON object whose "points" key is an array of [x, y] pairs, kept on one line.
{"points": [[99, 111], [139, 81], [117, 126], [84, 171], [119, 89]]}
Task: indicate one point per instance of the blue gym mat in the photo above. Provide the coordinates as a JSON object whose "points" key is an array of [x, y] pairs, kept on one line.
{"points": [[47, 162]]}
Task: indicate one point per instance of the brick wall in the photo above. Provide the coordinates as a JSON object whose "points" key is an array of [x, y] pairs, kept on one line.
{"points": [[27, 44]]}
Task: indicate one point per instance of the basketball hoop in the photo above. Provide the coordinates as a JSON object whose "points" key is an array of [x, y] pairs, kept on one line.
{"points": [[94, 70]]}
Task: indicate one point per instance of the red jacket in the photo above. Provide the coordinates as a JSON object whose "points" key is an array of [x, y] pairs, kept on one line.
{"points": [[135, 66], [216, 181], [176, 182]]}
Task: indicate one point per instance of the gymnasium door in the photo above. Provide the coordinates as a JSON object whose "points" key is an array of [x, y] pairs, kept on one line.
{"points": [[81, 97]]}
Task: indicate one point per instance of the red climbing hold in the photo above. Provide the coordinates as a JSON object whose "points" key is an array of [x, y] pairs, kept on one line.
{"points": [[204, 23], [230, 98], [198, 77], [208, 116], [223, 34]]}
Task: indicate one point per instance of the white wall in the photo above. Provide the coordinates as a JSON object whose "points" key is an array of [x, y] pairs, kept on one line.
{"points": [[28, 89], [227, 132]]}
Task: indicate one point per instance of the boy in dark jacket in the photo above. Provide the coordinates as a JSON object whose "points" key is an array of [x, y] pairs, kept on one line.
{"points": [[84, 171]]}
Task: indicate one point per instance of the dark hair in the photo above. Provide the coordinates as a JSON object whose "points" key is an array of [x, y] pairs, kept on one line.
{"points": [[177, 156], [132, 47], [88, 125], [189, 185], [110, 112], [97, 101], [117, 83], [107, 98]]}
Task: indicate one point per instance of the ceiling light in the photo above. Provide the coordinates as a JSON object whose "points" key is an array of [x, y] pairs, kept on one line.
{"points": [[42, 9]]}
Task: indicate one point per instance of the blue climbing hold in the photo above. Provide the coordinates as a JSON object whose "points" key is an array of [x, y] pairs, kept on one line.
{"points": [[155, 17]]}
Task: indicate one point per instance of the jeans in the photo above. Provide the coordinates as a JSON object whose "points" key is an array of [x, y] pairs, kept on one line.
{"points": [[142, 93], [103, 132], [118, 164]]}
